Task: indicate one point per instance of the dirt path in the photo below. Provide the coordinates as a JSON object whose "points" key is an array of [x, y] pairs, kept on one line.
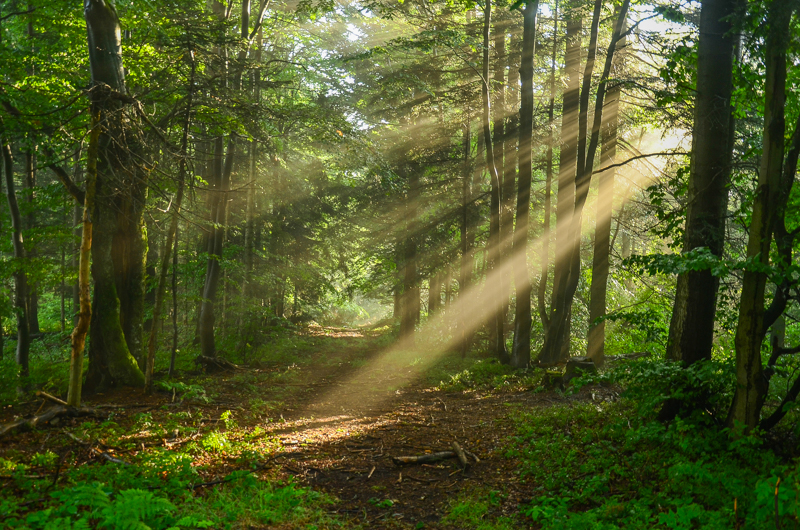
{"points": [[335, 419], [341, 437]]}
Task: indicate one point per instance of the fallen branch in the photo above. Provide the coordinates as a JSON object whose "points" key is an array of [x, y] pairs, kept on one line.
{"points": [[215, 364], [423, 459], [45, 395], [473, 455], [29, 424], [460, 454]]}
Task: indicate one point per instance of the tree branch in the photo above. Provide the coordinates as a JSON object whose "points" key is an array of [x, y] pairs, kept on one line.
{"points": [[78, 194]]}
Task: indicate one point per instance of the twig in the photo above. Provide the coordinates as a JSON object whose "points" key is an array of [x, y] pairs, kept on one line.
{"points": [[49, 397]]}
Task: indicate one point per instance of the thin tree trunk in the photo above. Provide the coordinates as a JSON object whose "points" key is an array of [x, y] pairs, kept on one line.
{"points": [[173, 230], [751, 385], [565, 198], [545, 251], [521, 351], [210, 287], [497, 346], [20, 276], [602, 234], [78, 336], [409, 300], [434, 294], [174, 289], [561, 315], [465, 275], [506, 167], [30, 185]]}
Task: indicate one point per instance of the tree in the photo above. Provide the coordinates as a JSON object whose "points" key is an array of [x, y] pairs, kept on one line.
{"points": [[691, 329], [564, 291], [521, 352], [118, 244], [20, 276], [605, 206], [772, 194]]}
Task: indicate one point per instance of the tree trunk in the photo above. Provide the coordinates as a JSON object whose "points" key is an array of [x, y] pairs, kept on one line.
{"points": [[120, 191], [565, 198], [521, 350], [222, 176], [559, 339], [691, 329], [494, 297], [171, 233], [33, 288], [174, 289], [434, 294], [20, 276], [505, 160], [569, 285], [466, 240], [602, 234], [545, 251], [409, 300], [78, 336], [751, 385]]}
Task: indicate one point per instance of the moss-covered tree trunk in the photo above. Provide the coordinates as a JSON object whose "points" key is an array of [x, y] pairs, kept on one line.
{"points": [[751, 385], [118, 247]]}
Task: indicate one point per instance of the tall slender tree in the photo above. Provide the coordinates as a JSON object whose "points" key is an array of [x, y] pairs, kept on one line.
{"points": [[605, 206], [691, 329], [521, 351]]}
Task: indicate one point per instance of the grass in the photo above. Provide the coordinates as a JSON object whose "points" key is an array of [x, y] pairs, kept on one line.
{"points": [[476, 509]]}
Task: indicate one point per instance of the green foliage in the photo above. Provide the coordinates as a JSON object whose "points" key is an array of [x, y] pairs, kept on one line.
{"points": [[488, 373], [187, 392], [473, 511], [92, 506], [605, 466]]}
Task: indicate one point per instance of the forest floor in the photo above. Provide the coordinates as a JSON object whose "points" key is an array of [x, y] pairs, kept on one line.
{"points": [[328, 415]]}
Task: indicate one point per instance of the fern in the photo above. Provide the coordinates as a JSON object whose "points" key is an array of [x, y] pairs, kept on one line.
{"points": [[136, 510]]}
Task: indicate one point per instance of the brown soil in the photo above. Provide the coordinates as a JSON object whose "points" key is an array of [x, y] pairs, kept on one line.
{"points": [[342, 418]]}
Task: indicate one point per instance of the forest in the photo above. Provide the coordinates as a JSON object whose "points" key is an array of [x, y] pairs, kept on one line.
{"points": [[457, 264]]}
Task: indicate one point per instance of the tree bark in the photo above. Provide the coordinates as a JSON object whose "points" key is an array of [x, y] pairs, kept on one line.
{"points": [[493, 296], [78, 336], [117, 217], [467, 238], [545, 250], [521, 350], [20, 276], [222, 172], [691, 330], [409, 300], [30, 186], [569, 285], [565, 198], [751, 329], [602, 234], [434, 294]]}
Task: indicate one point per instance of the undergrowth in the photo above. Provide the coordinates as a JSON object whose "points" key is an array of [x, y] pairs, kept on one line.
{"points": [[158, 491], [611, 465]]}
